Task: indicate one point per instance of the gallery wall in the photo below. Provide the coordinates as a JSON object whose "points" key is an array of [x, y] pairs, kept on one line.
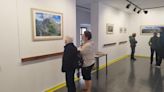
{"points": [[82, 17], [16, 43], [9, 51], [116, 17], [154, 17], [94, 22], [37, 76]]}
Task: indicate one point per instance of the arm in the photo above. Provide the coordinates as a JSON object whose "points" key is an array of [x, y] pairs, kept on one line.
{"points": [[130, 39], [84, 49], [135, 41], [150, 42]]}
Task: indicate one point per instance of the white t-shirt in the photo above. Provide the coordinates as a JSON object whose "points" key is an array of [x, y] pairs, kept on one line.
{"points": [[87, 50]]}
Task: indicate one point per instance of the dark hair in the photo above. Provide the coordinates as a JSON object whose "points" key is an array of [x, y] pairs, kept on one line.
{"points": [[88, 34], [134, 34]]}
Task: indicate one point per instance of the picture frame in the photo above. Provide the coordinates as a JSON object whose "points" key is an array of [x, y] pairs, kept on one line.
{"points": [[46, 25], [109, 28], [123, 30], [150, 29]]}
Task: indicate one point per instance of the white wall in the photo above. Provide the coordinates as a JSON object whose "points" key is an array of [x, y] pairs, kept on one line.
{"points": [[9, 51], [95, 22], [154, 17], [107, 14], [16, 43], [16, 40], [82, 17]]}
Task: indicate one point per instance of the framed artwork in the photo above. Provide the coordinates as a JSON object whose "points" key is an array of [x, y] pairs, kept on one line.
{"points": [[123, 30], [47, 25], [109, 28], [149, 29]]}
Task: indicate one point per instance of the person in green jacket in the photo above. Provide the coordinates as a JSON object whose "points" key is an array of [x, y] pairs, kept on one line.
{"points": [[133, 43], [153, 47]]}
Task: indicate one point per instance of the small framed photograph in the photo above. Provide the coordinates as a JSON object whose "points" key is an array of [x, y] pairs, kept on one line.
{"points": [[109, 28]]}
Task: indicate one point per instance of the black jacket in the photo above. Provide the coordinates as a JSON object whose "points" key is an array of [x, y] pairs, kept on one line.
{"points": [[153, 42], [160, 45], [70, 59]]}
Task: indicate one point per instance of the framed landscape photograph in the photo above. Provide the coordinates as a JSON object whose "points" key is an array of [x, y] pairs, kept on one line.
{"points": [[109, 28], [149, 29], [47, 25]]}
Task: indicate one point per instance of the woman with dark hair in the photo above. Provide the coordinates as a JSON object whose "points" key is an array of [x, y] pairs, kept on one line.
{"points": [[87, 52]]}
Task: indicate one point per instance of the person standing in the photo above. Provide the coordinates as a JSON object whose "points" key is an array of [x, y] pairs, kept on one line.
{"points": [[133, 43], [153, 47], [160, 49], [87, 52], [69, 62]]}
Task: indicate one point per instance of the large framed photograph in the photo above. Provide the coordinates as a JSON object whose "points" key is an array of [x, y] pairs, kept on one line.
{"points": [[109, 28], [47, 25], [149, 29]]}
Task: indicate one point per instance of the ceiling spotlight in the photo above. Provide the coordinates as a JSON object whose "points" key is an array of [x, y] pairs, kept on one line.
{"points": [[128, 6], [139, 11], [145, 12], [134, 9]]}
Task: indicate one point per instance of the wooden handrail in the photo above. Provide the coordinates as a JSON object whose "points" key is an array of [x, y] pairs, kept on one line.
{"points": [[110, 44], [27, 59], [123, 42]]}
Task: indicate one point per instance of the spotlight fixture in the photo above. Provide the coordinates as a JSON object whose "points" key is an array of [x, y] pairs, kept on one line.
{"points": [[139, 11], [134, 9], [145, 12], [128, 6]]}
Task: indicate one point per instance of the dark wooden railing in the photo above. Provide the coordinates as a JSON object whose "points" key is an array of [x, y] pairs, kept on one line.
{"points": [[110, 44], [122, 42], [27, 59]]}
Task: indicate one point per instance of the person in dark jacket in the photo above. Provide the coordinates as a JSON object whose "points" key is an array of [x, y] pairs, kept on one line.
{"points": [[133, 43], [161, 44], [69, 63], [160, 49], [153, 46]]}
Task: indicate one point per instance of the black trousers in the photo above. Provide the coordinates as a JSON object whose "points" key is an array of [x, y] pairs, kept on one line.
{"points": [[132, 52], [70, 81], [159, 61], [152, 54]]}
